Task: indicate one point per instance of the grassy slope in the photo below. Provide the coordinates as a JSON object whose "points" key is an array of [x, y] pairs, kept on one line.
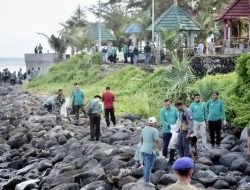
{"points": [[137, 91]]}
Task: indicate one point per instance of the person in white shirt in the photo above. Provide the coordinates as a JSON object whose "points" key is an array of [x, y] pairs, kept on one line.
{"points": [[211, 47], [200, 48], [131, 53]]}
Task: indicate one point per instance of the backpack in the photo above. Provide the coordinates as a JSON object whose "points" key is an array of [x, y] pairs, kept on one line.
{"points": [[90, 110]]}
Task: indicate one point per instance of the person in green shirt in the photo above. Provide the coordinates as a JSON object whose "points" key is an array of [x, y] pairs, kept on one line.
{"points": [[150, 144], [168, 116], [216, 114], [78, 99], [198, 110], [95, 108]]}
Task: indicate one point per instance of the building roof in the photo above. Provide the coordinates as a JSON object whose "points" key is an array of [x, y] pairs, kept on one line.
{"points": [[236, 9], [106, 34], [133, 29], [177, 19]]}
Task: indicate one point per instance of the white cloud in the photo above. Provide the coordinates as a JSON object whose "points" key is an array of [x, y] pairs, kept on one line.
{"points": [[22, 19]]}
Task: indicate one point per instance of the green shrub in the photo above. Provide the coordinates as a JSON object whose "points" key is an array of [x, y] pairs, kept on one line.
{"points": [[97, 59], [243, 67]]}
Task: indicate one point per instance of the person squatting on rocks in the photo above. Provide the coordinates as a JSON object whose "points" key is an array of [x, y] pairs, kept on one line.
{"points": [[183, 170], [168, 116], [216, 114], [186, 129], [59, 101], [49, 103], [78, 102], [108, 99], [150, 144], [95, 108], [198, 110]]}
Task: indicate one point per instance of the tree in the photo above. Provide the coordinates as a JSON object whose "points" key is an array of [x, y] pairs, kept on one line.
{"points": [[56, 43]]}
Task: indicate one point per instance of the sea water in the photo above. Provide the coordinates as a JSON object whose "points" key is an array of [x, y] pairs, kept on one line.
{"points": [[13, 64]]}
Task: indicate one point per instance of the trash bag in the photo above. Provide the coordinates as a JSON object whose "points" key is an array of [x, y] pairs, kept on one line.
{"points": [[174, 130], [64, 108]]}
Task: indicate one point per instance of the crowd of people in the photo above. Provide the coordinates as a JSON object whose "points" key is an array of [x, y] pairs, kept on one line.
{"points": [[18, 77], [181, 127]]}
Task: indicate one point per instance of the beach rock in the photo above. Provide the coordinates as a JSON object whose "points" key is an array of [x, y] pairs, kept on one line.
{"points": [[139, 185], [215, 154], [244, 134], [244, 186], [125, 180], [44, 164], [221, 184], [168, 179], [11, 184], [119, 136], [58, 158], [69, 186], [98, 185], [228, 158], [205, 161], [30, 184], [239, 165]]}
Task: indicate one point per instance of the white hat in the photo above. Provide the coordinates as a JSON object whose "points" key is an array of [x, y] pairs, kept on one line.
{"points": [[152, 120]]}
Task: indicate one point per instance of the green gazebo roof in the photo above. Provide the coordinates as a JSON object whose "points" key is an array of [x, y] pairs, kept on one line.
{"points": [[176, 18], [105, 33]]}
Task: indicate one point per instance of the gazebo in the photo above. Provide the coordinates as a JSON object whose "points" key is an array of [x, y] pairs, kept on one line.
{"points": [[133, 30], [106, 35], [234, 13], [176, 18]]}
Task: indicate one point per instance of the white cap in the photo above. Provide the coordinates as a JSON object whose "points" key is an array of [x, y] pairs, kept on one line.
{"points": [[152, 120]]}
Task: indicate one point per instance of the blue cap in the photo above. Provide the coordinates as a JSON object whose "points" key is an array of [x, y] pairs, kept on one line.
{"points": [[183, 164]]}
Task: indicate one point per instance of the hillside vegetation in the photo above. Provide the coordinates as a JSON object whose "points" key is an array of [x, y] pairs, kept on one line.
{"points": [[142, 92]]}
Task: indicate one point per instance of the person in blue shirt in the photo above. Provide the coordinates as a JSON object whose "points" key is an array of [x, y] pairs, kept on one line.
{"points": [[150, 144], [186, 129], [198, 110], [168, 116], [78, 99], [216, 114]]}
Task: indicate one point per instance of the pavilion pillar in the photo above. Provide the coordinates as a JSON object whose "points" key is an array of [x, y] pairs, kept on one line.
{"points": [[229, 30], [249, 33], [225, 30], [239, 29]]}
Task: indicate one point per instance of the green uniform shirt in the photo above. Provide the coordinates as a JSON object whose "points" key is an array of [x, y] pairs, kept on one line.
{"points": [[168, 117], [97, 107], [215, 110], [125, 49], [78, 97], [198, 111], [149, 136]]}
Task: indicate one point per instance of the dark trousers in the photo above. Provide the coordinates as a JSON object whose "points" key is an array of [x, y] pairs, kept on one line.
{"points": [[73, 109], [94, 121], [132, 58], [5, 78], [215, 128], [183, 144], [125, 58], [110, 112], [77, 108], [48, 107], [166, 140], [12, 81]]}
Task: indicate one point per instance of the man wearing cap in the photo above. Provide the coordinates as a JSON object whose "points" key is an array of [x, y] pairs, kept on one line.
{"points": [[95, 108], [150, 143], [168, 116], [185, 131], [183, 169], [198, 110]]}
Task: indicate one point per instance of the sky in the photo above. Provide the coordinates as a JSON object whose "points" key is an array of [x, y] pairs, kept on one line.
{"points": [[21, 20]]}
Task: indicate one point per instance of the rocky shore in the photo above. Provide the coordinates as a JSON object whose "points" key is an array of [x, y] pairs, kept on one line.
{"points": [[37, 154]]}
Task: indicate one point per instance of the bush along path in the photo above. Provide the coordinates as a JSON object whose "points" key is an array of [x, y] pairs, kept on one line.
{"points": [[37, 154]]}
